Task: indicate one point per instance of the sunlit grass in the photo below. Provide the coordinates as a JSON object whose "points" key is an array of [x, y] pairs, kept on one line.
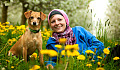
{"points": [[72, 60]]}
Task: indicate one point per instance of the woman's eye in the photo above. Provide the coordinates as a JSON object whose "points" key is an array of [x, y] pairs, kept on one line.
{"points": [[59, 19], [52, 21]]}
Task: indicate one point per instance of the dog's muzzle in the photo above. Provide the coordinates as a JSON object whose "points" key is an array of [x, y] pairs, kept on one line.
{"points": [[34, 23]]}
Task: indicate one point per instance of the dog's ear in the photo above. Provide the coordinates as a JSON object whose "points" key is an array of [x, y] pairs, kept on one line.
{"points": [[27, 14], [42, 16]]}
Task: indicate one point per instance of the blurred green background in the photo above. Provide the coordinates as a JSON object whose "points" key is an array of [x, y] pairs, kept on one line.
{"points": [[97, 16]]}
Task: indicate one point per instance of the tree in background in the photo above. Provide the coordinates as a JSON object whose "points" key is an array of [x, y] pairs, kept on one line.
{"points": [[77, 10], [114, 17], [4, 10]]}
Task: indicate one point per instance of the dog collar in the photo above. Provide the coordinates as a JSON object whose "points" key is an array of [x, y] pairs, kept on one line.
{"points": [[34, 31]]}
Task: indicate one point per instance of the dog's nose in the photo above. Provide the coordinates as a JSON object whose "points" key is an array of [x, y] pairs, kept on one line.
{"points": [[34, 23]]}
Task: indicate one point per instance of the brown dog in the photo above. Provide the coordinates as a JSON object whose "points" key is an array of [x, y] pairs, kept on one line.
{"points": [[31, 39]]}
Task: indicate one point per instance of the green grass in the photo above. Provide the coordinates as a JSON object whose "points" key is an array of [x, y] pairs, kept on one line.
{"points": [[8, 62]]}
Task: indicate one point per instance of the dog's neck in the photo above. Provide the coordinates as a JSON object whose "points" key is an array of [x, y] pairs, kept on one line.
{"points": [[34, 31]]}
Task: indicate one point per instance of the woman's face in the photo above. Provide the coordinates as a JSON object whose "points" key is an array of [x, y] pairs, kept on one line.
{"points": [[57, 23]]}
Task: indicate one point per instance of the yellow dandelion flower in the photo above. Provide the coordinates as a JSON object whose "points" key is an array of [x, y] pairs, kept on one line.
{"points": [[116, 43], [7, 26], [75, 53], [81, 57], [68, 47], [69, 53], [89, 51], [106, 51], [11, 27], [12, 67], [108, 47], [116, 58], [52, 53], [2, 30], [99, 57], [88, 64], [100, 68], [13, 39], [7, 23], [58, 46], [74, 47], [10, 41], [7, 61], [35, 67], [44, 51], [34, 55], [98, 63], [62, 40], [93, 60], [63, 52]]}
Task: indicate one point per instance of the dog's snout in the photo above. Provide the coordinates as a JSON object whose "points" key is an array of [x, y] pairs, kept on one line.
{"points": [[34, 23]]}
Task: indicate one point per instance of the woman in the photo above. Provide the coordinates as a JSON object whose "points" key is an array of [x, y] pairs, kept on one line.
{"points": [[59, 23]]}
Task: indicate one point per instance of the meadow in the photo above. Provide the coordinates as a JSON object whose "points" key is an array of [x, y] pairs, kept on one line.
{"points": [[72, 60]]}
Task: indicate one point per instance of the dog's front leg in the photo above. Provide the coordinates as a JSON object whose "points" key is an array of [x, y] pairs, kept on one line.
{"points": [[25, 53], [40, 55]]}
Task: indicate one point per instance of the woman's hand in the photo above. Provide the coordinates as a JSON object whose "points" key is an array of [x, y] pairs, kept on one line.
{"points": [[50, 66]]}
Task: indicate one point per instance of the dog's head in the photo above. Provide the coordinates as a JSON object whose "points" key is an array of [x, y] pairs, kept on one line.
{"points": [[34, 18]]}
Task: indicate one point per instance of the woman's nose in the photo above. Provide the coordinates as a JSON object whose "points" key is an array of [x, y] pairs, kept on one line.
{"points": [[56, 22]]}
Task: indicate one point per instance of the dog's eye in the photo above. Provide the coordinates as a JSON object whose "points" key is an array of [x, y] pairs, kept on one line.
{"points": [[31, 17], [38, 18]]}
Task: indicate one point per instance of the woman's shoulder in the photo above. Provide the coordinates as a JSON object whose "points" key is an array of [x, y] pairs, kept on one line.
{"points": [[78, 28]]}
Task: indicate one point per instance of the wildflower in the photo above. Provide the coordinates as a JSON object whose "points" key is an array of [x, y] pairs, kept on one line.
{"points": [[7, 61], [62, 40], [89, 51], [35, 67], [88, 64], [58, 46], [99, 57], [75, 53], [116, 58], [34, 55], [13, 39], [44, 51], [7, 23], [52, 53], [98, 63], [72, 47], [1, 30], [14, 32], [7, 26], [116, 43], [100, 68], [68, 47], [69, 53], [108, 47], [102, 65], [81, 57], [10, 42], [12, 67], [93, 60], [6, 30], [76, 47], [11, 27], [106, 51]]}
